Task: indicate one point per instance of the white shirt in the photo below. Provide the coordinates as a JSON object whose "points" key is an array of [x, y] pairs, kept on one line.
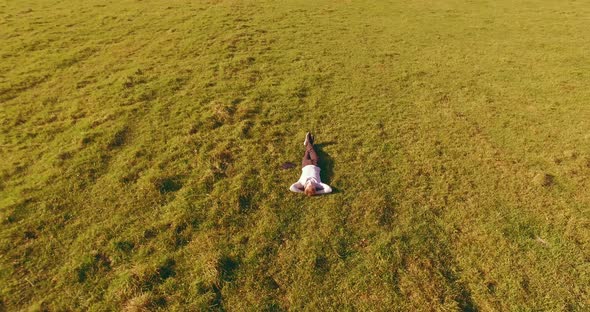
{"points": [[310, 173]]}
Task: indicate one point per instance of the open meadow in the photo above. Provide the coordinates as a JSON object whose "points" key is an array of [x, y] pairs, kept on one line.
{"points": [[142, 144]]}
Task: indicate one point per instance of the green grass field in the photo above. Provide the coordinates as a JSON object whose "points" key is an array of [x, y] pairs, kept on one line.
{"points": [[141, 144]]}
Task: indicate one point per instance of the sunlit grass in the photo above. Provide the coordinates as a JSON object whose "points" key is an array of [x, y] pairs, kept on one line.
{"points": [[142, 144]]}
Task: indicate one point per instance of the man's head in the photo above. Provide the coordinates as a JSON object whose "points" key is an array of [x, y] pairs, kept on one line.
{"points": [[309, 189]]}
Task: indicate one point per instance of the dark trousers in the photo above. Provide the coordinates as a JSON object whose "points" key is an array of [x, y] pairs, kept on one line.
{"points": [[310, 157]]}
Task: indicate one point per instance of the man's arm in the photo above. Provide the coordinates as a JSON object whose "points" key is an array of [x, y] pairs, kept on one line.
{"points": [[325, 189], [296, 187]]}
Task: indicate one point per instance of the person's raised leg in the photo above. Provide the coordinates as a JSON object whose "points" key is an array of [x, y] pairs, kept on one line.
{"points": [[310, 157], [314, 159], [306, 158]]}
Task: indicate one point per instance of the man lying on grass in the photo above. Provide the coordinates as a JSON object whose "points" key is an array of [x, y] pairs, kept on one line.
{"points": [[310, 183]]}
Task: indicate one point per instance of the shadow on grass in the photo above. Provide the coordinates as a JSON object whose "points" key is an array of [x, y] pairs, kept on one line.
{"points": [[326, 163]]}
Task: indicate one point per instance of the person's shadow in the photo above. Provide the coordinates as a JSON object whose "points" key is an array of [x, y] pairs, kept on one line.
{"points": [[326, 163]]}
